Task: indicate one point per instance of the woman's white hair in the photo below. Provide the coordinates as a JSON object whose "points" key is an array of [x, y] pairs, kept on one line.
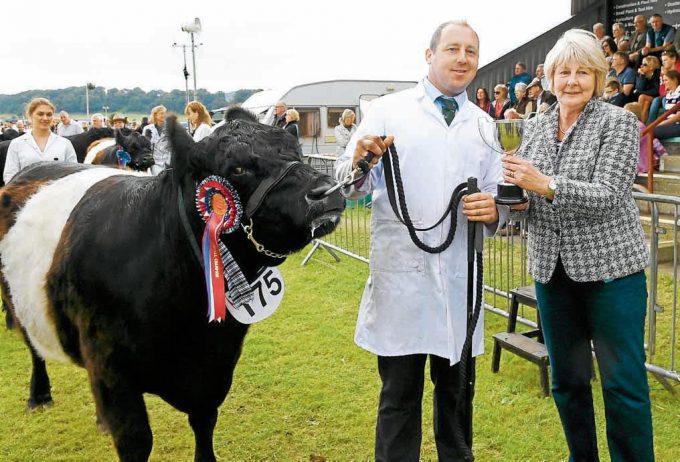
{"points": [[579, 47]]}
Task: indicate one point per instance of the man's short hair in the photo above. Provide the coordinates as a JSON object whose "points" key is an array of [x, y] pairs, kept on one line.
{"points": [[613, 83], [437, 34], [521, 64], [623, 55]]}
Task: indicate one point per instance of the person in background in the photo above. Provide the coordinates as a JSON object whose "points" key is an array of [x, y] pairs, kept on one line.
{"points": [[21, 127], [68, 126], [40, 144], [647, 84], [612, 92], [660, 37], [521, 76], [578, 171], [599, 30], [544, 99], [155, 131], [619, 36], [540, 74], [609, 47], [143, 123], [292, 127], [199, 120], [344, 130], [624, 74], [524, 106], [657, 148], [118, 121], [97, 120], [482, 100], [501, 104], [637, 41], [669, 128], [414, 302], [279, 114]]}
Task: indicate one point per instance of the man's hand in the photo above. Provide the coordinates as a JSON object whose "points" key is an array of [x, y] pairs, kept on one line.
{"points": [[373, 144], [480, 207]]}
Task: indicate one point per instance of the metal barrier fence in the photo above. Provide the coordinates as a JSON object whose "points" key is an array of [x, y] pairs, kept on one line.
{"points": [[506, 267]]}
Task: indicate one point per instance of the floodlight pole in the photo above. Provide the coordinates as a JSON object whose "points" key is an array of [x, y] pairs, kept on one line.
{"points": [[193, 58], [186, 73]]}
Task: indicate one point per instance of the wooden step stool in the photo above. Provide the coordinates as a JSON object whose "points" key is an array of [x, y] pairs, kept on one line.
{"points": [[528, 344]]}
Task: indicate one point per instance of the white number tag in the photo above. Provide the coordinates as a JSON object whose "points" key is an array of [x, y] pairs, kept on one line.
{"points": [[268, 291]]}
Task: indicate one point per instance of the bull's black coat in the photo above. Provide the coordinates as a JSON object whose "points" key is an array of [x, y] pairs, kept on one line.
{"points": [[130, 303]]}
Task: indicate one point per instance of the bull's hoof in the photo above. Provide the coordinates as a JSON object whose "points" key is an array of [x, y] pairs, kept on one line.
{"points": [[39, 401], [102, 426]]}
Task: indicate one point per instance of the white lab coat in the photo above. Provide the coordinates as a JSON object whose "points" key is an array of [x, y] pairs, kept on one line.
{"points": [[201, 132], [23, 151], [415, 302]]}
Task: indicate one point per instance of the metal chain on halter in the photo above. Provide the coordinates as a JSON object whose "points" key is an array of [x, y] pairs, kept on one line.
{"points": [[259, 247], [392, 178]]}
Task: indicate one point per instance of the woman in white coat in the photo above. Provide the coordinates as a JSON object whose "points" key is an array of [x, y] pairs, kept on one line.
{"points": [[40, 144], [344, 130], [199, 120]]}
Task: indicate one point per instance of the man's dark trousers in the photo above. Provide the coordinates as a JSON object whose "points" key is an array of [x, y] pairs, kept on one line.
{"points": [[399, 427]]}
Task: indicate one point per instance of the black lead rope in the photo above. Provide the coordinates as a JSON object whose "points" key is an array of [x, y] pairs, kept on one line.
{"points": [[463, 427]]}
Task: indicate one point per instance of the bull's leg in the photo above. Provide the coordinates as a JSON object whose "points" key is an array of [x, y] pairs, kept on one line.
{"points": [[123, 411], [203, 424], [40, 382], [9, 319]]}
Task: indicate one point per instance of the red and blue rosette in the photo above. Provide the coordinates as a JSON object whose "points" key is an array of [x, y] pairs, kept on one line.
{"points": [[219, 206]]}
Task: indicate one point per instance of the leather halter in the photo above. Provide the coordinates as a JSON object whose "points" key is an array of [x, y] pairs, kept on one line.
{"points": [[265, 187]]}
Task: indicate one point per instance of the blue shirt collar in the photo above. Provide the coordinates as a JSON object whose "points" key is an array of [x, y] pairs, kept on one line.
{"points": [[433, 93]]}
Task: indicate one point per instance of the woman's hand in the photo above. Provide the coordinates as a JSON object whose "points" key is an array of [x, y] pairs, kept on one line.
{"points": [[521, 173]]}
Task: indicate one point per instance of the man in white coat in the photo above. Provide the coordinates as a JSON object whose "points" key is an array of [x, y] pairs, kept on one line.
{"points": [[414, 303]]}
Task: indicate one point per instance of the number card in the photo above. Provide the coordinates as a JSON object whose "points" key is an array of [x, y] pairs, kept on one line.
{"points": [[268, 291]]}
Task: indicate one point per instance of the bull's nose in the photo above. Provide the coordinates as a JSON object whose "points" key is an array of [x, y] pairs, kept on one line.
{"points": [[319, 192]]}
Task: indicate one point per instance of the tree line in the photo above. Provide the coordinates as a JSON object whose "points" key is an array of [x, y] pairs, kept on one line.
{"points": [[72, 99]]}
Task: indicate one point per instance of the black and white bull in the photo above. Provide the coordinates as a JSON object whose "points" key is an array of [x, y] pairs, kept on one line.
{"points": [[76, 239], [134, 145]]}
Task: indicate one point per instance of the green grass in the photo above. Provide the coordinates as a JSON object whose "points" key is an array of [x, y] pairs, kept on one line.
{"points": [[303, 388]]}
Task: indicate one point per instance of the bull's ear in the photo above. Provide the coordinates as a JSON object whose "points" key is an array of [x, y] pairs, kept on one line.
{"points": [[181, 144], [120, 139]]}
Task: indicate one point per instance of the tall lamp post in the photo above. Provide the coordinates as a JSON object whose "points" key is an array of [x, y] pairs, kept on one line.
{"points": [[186, 73], [88, 86], [193, 28]]}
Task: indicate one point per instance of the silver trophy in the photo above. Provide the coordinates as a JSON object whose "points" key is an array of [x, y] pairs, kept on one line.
{"points": [[508, 136]]}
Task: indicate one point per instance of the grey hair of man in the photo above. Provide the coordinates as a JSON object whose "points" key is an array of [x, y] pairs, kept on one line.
{"points": [[97, 116], [437, 35], [578, 46], [63, 113], [521, 86]]}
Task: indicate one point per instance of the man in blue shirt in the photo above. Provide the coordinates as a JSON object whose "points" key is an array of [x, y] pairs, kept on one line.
{"points": [[659, 38], [624, 74], [521, 75]]}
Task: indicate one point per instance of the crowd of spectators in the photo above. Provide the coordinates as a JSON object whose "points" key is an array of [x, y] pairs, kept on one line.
{"points": [[644, 70]]}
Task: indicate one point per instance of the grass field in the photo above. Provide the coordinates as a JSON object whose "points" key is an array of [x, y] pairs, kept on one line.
{"points": [[303, 389]]}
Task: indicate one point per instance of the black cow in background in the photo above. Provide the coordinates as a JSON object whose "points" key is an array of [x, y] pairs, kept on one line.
{"points": [[137, 146], [80, 143], [83, 140], [130, 305]]}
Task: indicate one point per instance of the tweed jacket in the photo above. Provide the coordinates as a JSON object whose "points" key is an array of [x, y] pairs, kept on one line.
{"points": [[592, 223]]}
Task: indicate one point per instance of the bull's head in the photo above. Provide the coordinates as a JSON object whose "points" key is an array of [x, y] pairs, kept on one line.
{"points": [[139, 148], [282, 196]]}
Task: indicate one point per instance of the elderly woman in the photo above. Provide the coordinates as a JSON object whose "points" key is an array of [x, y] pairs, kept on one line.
{"points": [[40, 144], [199, 120], [157, 122], [524, 106], [155, 131], [344, 130], [587, 252], [292, 127]]}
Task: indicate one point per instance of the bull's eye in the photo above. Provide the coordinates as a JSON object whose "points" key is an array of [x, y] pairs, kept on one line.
{"points": [[239, 170]]}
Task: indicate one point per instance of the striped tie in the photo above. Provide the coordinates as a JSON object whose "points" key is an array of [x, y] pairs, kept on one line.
{"points": [[449, 108]]}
